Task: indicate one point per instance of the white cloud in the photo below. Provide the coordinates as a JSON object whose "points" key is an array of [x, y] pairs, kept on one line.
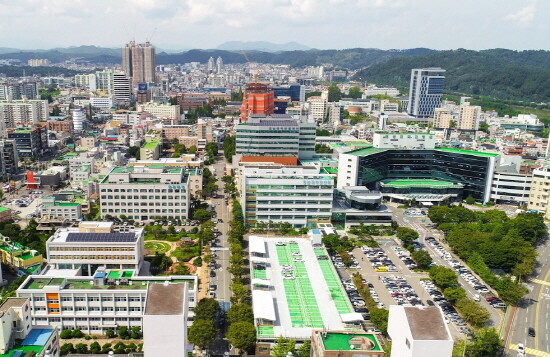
{"points": [[524, 16]]}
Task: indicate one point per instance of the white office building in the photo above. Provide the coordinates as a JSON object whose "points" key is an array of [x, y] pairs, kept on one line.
{"points": [[374, 90], [387, 140], [317, 108], [104, 102], [85, 81], [164, 111], [425, 91], [511, 188], [419, 331], [122, 88], [92, 245], [299, 195], [143, 193], [97, 303], [277, 135], [53, 209], [78, 119]]}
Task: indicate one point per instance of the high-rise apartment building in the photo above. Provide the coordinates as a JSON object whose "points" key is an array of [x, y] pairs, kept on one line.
{"points": [[24, 112], [138, 62], [15, 91], [122, 89], [219, 65], [425, 91], [468, 117], [257, 99], [211, 65]]}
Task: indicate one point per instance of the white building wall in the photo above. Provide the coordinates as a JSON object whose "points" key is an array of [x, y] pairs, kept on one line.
{"points": [[347, 170], [403, 141], [165, 335]]}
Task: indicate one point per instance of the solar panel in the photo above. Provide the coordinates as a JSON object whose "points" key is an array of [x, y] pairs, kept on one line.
{"points": [[101, 237]]}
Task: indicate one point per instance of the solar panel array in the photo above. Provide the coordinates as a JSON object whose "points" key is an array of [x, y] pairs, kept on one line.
{"points": [[101, 237]]}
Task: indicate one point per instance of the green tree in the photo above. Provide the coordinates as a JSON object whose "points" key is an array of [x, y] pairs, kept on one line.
{"points": [[95, 348], [485, 343], [66, 334], [123, 332], [305, 349], [242, 335], [470, 200], [206, 309], [202, 215], [202, 333], [211, 149], [110, 333], [407, 235], [322, 132], [76, 333], [81, 348], [472, 312], [334, 94], [192, 150], [379, 318], [229, 147], [282, 347], [443, 277], [454, 293], [66, 349], [422, 258], [240, 292], [240, 312], [355, 92], [133, 151]]}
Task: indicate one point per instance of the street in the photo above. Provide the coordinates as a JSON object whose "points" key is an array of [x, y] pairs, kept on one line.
{"points": [[534, 310]]}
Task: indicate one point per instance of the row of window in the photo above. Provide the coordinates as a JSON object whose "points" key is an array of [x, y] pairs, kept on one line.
{"points": [[92, 249], [91, 309], [142, 190], [93, 257], [124, 197], [147, 211], [92, 298]]}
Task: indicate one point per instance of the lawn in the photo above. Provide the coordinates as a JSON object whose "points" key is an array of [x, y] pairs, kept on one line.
{"points": [[157, 247]]}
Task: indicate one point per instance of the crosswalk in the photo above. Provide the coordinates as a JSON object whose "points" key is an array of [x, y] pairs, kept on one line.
{"points": [[530, 351], [541, 282]]}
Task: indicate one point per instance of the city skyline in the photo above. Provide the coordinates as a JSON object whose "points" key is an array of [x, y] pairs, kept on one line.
{"points": [[323, 24]]}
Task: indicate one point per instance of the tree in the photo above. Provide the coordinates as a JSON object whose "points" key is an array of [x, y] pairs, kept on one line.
{"points": [[443, 277], [322, 132], [422, 258], [211, 149], [133, 151], [470, 200], [110, 333], [406, 235], [67, 348], [379, 318], [136, 332], [485, 343], [240, 292], [193, 150], [305, 349], [285, 228], [472, 312], [66, 334], [283, 346], [81, 348], [206, 309], [334, 94], [95, 348], [240, 312], [242, 335], [76, 333], [229, 147], [202, 333], [202, 215], [454, 293], [123, 332], [355, 92]]}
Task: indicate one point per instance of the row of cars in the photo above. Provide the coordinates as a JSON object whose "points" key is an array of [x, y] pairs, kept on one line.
{"points": [[451, 315], [461, 270], [339, 262], [401, 291], [378, 259], [405, 257]]}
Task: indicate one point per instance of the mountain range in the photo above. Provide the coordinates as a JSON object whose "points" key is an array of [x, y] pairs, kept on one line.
{"points": [[263, 46]]}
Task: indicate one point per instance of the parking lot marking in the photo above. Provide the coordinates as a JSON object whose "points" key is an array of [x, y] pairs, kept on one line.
{"points": [[530, 351]]}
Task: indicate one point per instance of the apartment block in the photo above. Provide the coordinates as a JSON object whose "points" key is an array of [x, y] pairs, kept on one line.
{"points": [[29, 141], [143, 193], [299, 195], [151, 149], [96, 303], [166, 111], [23, 112], [21, 259], [21, 90], [540, 190]]}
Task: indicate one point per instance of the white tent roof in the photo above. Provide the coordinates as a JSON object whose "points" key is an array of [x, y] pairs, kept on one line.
{"points": [[351, 317], [261, 281], [262, 304], [427, 204], [256, 244]]}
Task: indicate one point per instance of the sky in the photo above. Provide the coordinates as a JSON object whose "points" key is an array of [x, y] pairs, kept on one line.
{"points": [[185, 24]]}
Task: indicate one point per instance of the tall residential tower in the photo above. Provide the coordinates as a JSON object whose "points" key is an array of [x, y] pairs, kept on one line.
{"points": [[138, 62]]}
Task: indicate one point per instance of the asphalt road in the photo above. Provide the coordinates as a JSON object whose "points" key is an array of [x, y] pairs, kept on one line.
{"points": [[534, 310], [222, 279], [416, 222]]}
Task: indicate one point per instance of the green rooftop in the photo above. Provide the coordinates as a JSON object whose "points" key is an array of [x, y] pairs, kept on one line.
{"points": [[418, 183], [151, 145], [3, 209], [84, 284], [350, 144], [329, 170], [341, 341], [114, 274], [468, 152], [24, 349], [365, 151]]}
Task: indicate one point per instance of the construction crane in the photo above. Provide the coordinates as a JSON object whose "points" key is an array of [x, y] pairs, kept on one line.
{"points": [[152, 34], [255, 76]]}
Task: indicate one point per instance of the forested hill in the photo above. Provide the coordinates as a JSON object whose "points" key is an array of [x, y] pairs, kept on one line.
{"points": [[498, 73]]}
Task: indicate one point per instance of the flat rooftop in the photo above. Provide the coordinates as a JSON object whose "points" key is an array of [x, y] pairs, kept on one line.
{"points": [[313, 298], [341, 341], [420, 183], [468, 152], [426, 323], [38, 282], [165, 299]]}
